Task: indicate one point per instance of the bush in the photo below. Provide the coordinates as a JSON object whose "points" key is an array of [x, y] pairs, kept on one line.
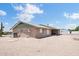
{"points": [[77, 28]]}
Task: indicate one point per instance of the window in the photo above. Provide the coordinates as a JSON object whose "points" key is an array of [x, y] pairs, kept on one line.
{"points": [[41, 30], [28, 30], [48, 32]]}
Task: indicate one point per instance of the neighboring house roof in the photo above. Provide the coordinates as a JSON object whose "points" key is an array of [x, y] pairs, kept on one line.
{"points": [[38, 26], [48, 26]]}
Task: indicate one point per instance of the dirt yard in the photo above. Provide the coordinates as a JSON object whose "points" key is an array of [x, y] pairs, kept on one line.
{"points": [[51, 46]]}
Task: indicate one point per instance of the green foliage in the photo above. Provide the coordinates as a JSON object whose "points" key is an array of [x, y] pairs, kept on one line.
{"points": [[6, 33], [1, 29], [77, 28]]}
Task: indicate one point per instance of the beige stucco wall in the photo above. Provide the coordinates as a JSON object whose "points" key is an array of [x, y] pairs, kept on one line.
{"points": [[22, 31], [43, 34], [34, 32]]}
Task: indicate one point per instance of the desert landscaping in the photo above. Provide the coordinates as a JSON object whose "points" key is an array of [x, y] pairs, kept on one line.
{"points": [[38, 29], [62, 45]]}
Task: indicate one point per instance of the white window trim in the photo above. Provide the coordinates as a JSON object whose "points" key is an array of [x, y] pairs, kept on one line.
{"points": [[41, 30], [48, 32]]}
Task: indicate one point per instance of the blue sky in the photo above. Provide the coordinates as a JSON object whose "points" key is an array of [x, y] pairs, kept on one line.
{"points": [[60, 15]]}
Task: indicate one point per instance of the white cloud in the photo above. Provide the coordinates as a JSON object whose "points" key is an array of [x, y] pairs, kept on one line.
{"points": [[6, 26], [70, 26], [25, 17], [19, 7], [73, 16], [52, 25], [27, 11], [57, 22], [6, 23], [33, 9], [16, 7], [2, 13], [55, 26], [66, 15], [41, 5]]}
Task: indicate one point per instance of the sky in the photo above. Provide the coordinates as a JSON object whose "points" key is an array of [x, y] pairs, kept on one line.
{"points": [[59, 15]]}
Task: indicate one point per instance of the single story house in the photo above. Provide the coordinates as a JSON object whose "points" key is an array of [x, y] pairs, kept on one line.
{"points": [[22, 29]]}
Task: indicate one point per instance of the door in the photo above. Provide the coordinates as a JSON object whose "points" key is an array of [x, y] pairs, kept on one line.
{"points": [[54, 32], [15, 35]]}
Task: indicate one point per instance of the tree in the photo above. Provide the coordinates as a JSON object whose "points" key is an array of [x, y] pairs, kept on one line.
{"points": [[77, 28], [1, 29]]}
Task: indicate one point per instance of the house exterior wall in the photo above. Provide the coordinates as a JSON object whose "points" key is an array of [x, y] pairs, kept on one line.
{"points": [[43, 34], [34, 32], [23, 30]]}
